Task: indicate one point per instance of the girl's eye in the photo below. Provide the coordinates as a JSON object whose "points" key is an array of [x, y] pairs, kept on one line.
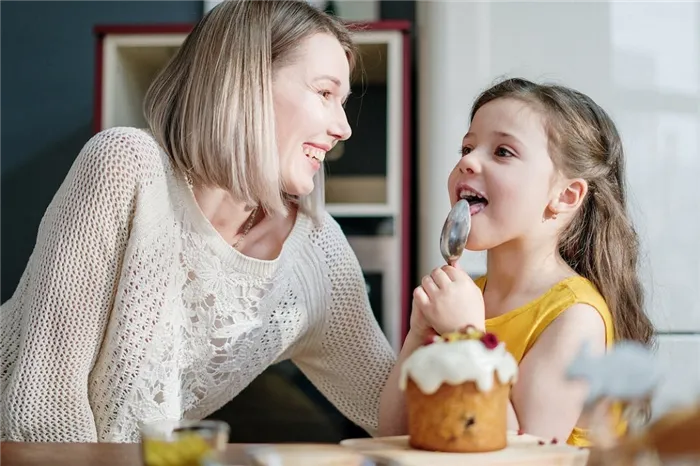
{"points": [[464, 151], [503, 152], [325, 94]]}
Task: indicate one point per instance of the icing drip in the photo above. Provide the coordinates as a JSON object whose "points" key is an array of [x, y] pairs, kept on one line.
{"points": [[456, 362]]}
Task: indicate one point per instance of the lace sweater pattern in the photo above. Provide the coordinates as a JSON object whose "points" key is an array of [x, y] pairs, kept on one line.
{"points": [[132, 307]]}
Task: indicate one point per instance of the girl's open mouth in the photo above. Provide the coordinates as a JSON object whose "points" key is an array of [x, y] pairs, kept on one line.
{"points": [[477, 201]]}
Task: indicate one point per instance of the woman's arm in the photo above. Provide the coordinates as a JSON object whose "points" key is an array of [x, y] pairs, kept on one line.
{"points": [[347, 357], [546, 403], [54, 323]]}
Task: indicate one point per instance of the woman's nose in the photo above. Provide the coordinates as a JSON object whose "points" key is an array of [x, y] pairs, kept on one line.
{"points": [[341, 128]]}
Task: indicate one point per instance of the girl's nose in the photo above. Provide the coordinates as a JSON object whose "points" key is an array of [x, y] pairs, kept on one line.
{"points": [[469, 164]]}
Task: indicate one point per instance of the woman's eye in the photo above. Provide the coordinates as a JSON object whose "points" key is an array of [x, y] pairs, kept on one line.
{"points": [[325, 94], [503, 152], [464, 151]]}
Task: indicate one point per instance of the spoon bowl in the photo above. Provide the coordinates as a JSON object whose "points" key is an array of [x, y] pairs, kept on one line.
{"points": [[455, 232]]}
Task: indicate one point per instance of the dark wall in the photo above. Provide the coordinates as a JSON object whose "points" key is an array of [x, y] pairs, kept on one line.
{"points": [[47, 71], [47, 75]]}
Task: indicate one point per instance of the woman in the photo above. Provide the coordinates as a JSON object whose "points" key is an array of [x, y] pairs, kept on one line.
{"points": [[174, 265]]}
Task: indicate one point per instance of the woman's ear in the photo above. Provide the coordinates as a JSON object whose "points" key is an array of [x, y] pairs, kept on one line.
{"points": [[570, 197]]}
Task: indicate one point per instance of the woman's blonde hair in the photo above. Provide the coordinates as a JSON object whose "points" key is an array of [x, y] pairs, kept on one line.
{"points": [[211, 107]]}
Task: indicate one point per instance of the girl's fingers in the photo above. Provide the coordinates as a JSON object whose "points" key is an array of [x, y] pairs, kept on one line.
{"points": [[441, 278], [429, 286], [420, 296]]}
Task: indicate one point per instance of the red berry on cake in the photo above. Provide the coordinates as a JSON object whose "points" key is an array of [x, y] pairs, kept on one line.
{"points": [[489, 340]]}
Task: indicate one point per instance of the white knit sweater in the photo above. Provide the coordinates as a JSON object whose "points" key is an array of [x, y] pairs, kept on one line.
{"points": [[132, 307]]}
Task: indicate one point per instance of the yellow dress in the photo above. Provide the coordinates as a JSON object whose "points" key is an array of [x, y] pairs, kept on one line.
{"points": [[520, 328]]}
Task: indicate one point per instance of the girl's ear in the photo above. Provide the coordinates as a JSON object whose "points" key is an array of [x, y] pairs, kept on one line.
{"points": [[570, 197]]}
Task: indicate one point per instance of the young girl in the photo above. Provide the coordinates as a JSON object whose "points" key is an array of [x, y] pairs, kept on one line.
{"points": [[542, 169]]}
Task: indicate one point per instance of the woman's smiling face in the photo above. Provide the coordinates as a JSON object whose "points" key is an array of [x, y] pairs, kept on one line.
{"points": [[309, 96]]}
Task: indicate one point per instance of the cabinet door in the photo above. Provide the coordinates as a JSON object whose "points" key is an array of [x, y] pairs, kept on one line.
{"points": [[678, 357], [378, 258]]}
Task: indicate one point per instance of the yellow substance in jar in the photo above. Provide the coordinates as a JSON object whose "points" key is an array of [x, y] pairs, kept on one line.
{"points": [[188, 450]]}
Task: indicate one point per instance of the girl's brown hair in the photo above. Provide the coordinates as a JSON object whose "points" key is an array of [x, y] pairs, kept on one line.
{"points": [[600, 243]]}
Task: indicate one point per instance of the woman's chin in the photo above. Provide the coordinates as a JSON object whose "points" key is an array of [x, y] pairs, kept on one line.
{"points": [[300, 189]]}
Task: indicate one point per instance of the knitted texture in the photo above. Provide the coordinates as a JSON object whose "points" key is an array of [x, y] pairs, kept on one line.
{"points": [[133, 308]]}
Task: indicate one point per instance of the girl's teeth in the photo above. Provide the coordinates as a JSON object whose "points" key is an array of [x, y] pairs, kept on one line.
{"points": [[466, 192]]}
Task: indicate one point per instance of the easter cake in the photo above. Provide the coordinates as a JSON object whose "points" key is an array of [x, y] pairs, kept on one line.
{"points": [[457, 392]]}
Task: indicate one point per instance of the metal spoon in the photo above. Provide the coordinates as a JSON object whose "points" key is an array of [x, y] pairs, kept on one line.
{"points": [[455, 232]]}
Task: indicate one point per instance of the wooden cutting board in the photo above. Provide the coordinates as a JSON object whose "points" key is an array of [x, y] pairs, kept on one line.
{"points": [[523, 450]]}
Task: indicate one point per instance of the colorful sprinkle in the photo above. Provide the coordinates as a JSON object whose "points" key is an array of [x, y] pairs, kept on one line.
{"points": [[555, 441], [540, 442]]}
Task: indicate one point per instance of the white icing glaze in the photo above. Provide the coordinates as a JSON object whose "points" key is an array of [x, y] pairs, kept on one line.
{"points": [[458, 362]]}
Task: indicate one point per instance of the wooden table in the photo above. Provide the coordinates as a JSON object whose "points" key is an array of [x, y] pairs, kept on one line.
{"points": [[121, 454], [78, 454], [521, 452]]}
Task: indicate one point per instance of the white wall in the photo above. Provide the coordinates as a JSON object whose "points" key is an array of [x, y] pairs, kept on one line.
{"points": [[641, 62]]}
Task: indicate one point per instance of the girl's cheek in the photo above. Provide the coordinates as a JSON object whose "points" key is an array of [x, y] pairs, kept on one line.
{"points": [[450, 187]]}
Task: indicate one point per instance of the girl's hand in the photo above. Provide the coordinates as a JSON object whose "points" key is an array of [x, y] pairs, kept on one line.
{"points": [[447, 300]]}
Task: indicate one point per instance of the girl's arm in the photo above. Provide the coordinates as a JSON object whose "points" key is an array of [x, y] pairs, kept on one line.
{"points": [[545, 403], [392, 407]]}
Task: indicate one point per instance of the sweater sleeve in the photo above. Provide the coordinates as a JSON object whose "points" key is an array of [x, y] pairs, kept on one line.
{"points": [[54, 323], [348, 357]]}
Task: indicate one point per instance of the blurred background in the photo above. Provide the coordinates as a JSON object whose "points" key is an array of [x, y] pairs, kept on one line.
{"points": [[72, 68]]}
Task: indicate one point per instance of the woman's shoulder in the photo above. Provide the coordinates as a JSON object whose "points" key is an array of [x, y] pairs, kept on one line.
{"points": [[326, 231], [122, 151], [329, 240], [141, 136]]}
